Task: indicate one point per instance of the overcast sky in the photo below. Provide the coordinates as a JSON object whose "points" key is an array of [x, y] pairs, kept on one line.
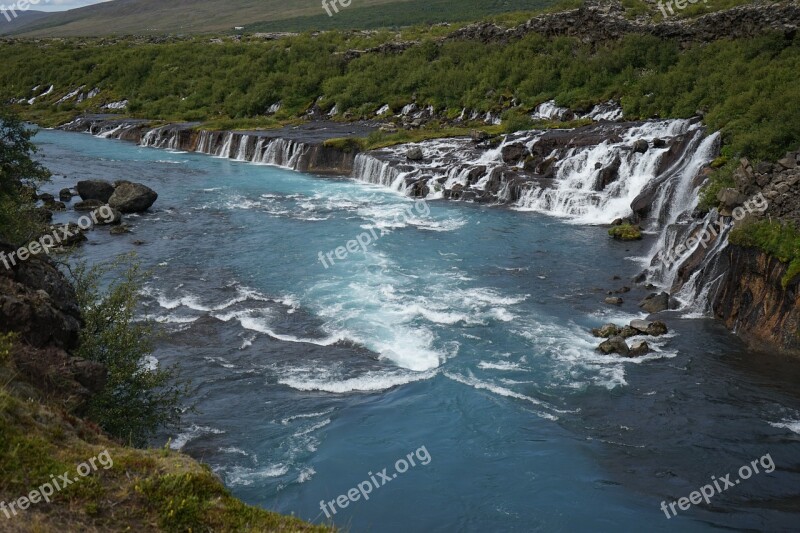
{"points": [[61, 5]]}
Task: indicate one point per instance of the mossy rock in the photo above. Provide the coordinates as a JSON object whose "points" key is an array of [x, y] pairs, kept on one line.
{"points": [[626, 232]]}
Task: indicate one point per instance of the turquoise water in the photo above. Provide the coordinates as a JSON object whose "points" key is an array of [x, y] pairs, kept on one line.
{"points": [[462, 330]]}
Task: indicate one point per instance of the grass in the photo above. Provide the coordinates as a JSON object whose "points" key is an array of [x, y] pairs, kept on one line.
{"points": [[780, 240], [722, 178], [144, 490]]}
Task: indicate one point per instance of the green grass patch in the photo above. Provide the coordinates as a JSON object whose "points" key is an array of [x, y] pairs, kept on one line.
{"points": [[625, 232], [722, 178], [780, 240]]}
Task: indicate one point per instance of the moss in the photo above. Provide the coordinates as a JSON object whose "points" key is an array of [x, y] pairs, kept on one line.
{"points": [[626, 232], [346, 144], [779, 240]]}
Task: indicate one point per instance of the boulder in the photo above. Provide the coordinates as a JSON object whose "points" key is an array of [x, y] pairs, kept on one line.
{"points": [[641, 146], [606, 331], [627, 332], [639, 348], [609, 174], [641, 325], [657, 329], [65, 195], [69, 234], [659, 143], [47, 198], [122, 229], [615, 345], [88, 205], [95, 190], [103, 219], [655, 303], [514, 153], [415, 154], [132, 198], [730, 197], [615, 301]]}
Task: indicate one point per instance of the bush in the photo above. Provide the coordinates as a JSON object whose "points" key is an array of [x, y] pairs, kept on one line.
{"points": [[136, 401]]}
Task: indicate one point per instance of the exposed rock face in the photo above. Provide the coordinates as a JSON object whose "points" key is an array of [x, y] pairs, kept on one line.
{"points": [[615, 345], [132, 198], [752, 302], [94, 190], [38, 303]]}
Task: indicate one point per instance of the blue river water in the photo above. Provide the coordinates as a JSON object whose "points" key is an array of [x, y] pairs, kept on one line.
{"points": [[461, 334]]}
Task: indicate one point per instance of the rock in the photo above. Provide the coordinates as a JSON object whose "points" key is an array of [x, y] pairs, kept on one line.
{"points": [[659, 143], [655, 303], [641, 146], [626, 232], [657, 329], [90, 374], [103, 219], [88, 205], [623, 290], [56, 206], [70, 234], [744, 177], [614, 301], [641, 325], [639, 348], [478, 136], [627, 332], [764, 167], [95, 190], [609, 174], [730, 197], [415, 154], [514, 153], [788, 162], [615, 345], [122, 229], [606, 331], [65, 195], [47, 198], [132, 198]]}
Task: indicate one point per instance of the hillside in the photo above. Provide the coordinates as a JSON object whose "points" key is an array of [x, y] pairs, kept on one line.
{"points": [[23, 18], [125, 17]]}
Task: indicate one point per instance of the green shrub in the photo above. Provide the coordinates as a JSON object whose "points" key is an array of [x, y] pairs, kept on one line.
{"points": [[136, 401]]}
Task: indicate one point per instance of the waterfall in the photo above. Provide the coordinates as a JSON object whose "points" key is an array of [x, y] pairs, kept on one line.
{"points": [[370, 169], [225, 151], [242, 154]]}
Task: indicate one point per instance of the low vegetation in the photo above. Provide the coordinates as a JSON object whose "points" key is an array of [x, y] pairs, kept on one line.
{"points": [[626, 232]]}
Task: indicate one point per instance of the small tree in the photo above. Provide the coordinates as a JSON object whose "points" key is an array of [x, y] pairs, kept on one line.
{"points": [[137, 400], [19, 175]]}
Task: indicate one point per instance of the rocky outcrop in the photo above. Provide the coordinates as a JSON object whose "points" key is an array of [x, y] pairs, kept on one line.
{"points": [[603, 21], [752, 301], [94, 190]]}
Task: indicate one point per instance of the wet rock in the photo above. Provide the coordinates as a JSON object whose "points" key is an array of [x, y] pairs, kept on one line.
{"points": [[415, 154], [659, 143], [639, 348], [615, 345], [70, 234], [107, 216], [614, 301], [132, 198], [65, 195], [655, 303], [657, 329], [514, 153], [641, 325], [47, 198], [609, 174], [88, 205], [641, 146], [95, 190], [627, 332], [122, 229], [606, 331]]}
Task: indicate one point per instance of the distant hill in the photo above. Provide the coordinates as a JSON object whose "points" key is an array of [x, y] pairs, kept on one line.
{"points": [[202, 16], [22, 19]]}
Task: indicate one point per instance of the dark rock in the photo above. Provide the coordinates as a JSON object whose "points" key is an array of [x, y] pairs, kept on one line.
{"points": [[659, 143], [415, 154], [641, 325], [47, 198], [121, 230], [88, 205], [107, 216], [95, 190], [132, 198], [609, 174], [614, 301], [655, 303], [615, 345], [606, 331], [69, 234], [639, 348], [514, 153], [641, 146], [65, 195], [56, 206], [730, 197], [657, 329], [627, 332]]}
